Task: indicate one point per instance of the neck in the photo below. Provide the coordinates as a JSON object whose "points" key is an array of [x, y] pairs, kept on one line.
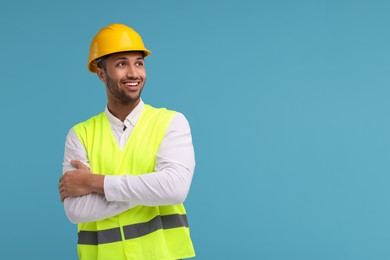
{"points": [[121, 111]]}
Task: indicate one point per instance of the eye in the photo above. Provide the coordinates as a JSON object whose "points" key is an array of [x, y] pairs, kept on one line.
{"points": [[139, 64], [121, 64]]}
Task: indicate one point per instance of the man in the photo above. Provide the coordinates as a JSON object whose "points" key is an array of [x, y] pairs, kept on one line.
{"points": [[127, 171]]}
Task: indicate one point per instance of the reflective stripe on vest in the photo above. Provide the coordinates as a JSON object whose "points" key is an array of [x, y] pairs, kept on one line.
{"points": [[132, 231]]}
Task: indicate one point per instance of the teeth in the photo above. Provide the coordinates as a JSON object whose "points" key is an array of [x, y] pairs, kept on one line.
{"points": [[131, 84]]}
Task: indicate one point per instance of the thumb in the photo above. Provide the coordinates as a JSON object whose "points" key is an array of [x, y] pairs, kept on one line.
{"points": [[78, 164]]}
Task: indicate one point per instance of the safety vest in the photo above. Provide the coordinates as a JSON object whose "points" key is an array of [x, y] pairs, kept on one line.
{"points": [[142, 232]]}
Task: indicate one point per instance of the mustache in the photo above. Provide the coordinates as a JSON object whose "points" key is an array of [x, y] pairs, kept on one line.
{"points": [[132, 78]]}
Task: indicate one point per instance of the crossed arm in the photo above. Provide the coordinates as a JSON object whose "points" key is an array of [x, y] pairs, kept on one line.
{"points": [[89, 197], [80, 182]]}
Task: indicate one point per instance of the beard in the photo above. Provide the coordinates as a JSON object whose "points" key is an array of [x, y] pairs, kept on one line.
{"points": [[121, 95]]}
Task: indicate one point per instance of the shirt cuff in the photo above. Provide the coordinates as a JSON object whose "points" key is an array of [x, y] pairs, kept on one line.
{"points": [[112, 188]]}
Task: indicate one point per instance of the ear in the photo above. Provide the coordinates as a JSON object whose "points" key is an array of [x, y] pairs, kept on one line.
{"points": [[101, 74]]}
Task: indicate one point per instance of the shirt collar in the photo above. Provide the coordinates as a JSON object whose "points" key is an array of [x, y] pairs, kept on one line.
{"points": [[131, 118]]}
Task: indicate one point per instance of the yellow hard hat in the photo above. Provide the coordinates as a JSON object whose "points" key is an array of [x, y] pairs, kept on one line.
{"points": [[111, 39]]}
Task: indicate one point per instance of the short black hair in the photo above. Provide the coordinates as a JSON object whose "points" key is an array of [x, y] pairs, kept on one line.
{"points": [[100, 61]]}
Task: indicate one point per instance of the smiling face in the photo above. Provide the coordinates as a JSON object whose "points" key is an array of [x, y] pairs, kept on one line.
{"points": [[124, 75]]}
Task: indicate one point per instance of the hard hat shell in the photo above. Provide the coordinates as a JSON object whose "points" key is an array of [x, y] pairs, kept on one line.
{"points": [[112, 39]]}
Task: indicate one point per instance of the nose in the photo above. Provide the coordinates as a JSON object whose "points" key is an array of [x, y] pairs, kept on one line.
{"points": [[131, 72]]}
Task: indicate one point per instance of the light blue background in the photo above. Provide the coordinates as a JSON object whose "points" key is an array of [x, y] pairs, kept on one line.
{"points": [[288, 103]]}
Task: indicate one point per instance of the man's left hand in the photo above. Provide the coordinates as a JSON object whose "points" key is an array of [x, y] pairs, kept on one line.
{"points": [[75, 183]]}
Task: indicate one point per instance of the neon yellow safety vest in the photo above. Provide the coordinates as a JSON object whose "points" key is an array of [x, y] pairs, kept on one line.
{"points": [[143, 232]]}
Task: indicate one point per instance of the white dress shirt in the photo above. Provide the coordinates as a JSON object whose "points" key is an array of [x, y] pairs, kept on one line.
{"points": [[167, 185]]}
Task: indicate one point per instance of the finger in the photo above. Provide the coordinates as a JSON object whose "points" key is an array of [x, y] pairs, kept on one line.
{"points": [[64, 196], [62, 189], [60, 184], [59, 181], [78, 164], [75, 163]]}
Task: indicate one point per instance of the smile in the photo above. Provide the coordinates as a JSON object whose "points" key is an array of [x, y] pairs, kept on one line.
{"points": [[132, 84]]}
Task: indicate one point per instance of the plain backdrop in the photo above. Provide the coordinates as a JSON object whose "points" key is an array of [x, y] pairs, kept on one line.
{"points": [[288, 103]]}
